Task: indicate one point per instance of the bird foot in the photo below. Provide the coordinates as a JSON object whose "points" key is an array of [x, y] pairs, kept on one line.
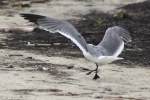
{"points": [[96, 77], [90, 72], [96, 71]]}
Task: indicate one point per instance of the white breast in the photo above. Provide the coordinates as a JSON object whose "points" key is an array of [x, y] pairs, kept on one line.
{"points": [[89, 57], [102, 59], [107, 59]]}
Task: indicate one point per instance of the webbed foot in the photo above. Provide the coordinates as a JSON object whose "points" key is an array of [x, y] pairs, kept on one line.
{"points": [[96, 77]]}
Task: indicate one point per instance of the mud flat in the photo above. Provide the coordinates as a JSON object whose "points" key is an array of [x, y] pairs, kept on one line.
{"points": [[52, 73]]}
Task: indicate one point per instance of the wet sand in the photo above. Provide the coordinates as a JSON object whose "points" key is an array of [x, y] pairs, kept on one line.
{"points": [[53, 73]]}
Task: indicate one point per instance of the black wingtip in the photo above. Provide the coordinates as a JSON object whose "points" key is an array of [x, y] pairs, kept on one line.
{"points": [[31, 17]]}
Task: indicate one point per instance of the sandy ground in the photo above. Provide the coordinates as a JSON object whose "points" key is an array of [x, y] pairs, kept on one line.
{"points": [[32, 76], [48, 73]]}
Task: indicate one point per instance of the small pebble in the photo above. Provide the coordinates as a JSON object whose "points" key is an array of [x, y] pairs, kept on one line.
{"points": [[32, 76], [10, 66], [97, 95], [70, 67], [29, 57], [108, 89], [42, 68]]}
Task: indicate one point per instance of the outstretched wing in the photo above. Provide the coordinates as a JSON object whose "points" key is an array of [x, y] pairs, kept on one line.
{"points": [[113, 41], [58, 26]]}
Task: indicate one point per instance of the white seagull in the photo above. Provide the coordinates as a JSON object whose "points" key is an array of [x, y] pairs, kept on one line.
{"points": [[105, 52]]}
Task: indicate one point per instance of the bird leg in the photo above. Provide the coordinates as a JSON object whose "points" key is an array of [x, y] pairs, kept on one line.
{"points": [[96, 76]]}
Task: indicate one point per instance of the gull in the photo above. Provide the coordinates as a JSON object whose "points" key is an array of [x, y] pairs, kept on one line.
{"points": [[105, 52]]}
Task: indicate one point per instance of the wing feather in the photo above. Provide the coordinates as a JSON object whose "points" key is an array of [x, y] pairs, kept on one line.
{"points": [[113, 41], [63, 27]]}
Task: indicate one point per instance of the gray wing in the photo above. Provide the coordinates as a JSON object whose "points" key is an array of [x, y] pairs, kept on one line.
{"points": [[63, 27], [113, 41]]}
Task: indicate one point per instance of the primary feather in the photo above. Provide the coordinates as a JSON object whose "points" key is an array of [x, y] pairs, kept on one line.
{"points": [[63, 27]]}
